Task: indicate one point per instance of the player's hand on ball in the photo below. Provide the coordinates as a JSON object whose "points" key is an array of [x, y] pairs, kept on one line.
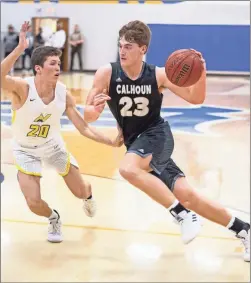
{"points": [[201, 57], [100, 100], [23, 41]]}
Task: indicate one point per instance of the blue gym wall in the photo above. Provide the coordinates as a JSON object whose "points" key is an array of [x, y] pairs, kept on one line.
{"points": [[226, 48]]}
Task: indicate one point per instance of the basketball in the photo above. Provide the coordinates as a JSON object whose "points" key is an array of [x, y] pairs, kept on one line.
{"points": [[184, 67]]}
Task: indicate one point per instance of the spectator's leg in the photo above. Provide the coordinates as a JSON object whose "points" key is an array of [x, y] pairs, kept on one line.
{"points": [[72, 58], [29, 53], [80, 59]]}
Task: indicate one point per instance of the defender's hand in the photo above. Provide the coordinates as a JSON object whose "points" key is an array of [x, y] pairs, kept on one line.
{"points": [[23, 41], [100, 100]]}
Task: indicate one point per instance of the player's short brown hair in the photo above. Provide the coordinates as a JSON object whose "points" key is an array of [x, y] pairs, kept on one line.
{"points": [[41, 53], [136, 32]]}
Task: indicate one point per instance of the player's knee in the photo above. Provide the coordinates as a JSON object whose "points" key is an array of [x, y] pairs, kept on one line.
{"points": [[33, 203], [129, 172], [188, 198]]}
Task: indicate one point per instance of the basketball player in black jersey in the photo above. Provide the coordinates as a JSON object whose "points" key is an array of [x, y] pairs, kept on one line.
{"points": [[134, 97]]}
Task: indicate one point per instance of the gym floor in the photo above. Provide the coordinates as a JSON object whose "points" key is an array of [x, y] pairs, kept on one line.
{"points": [[133, 238]]}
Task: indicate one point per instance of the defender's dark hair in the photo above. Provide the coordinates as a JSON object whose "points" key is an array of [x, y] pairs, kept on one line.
{"points": [[41, 53]]}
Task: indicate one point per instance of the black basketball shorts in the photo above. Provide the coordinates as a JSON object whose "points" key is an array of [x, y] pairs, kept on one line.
{"points": [[158, 141]]}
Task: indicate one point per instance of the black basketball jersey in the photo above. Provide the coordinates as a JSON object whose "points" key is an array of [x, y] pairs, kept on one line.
{"points": [[135, 104]]}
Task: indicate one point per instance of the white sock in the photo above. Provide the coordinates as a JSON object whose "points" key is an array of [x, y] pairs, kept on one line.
{"points": [[54, 216], [176, 209], [176, 202], [231, 222]]}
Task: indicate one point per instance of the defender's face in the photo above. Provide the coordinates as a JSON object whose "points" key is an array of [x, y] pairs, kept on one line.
{"points": [[51, 69], [130, 52]]}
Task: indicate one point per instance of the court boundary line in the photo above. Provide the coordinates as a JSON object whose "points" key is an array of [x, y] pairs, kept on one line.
{"points": [[67, 225]]}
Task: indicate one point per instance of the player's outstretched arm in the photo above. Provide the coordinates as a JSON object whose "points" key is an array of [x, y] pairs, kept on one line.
{"points": [[194, 94], [98, 95], [11, 84], [87, 130]]}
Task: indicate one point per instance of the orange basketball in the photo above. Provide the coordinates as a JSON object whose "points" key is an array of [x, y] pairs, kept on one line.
{"points": [[184, 67]]}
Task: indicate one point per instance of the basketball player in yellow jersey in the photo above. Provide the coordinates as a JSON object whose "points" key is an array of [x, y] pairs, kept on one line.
{"points": [[134, 97], [38, 104]]}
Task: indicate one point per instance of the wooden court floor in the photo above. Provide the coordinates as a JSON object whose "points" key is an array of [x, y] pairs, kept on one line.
{"points": [[132, 238]]}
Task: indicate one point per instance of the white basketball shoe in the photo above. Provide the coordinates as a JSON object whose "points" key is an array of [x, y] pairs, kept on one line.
{"points": [[90, 207], [245, 238], [54, 230], [190, 224]]}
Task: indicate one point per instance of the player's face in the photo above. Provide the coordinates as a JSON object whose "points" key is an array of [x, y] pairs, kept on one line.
{"points": [[130, 53], [51, 68]]}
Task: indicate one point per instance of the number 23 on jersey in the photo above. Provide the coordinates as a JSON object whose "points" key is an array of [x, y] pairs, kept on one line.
{"points": [[141, 110]]}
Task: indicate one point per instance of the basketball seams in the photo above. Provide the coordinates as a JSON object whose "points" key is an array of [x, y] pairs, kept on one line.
{"points": [[192, 66], [179, 65]]}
